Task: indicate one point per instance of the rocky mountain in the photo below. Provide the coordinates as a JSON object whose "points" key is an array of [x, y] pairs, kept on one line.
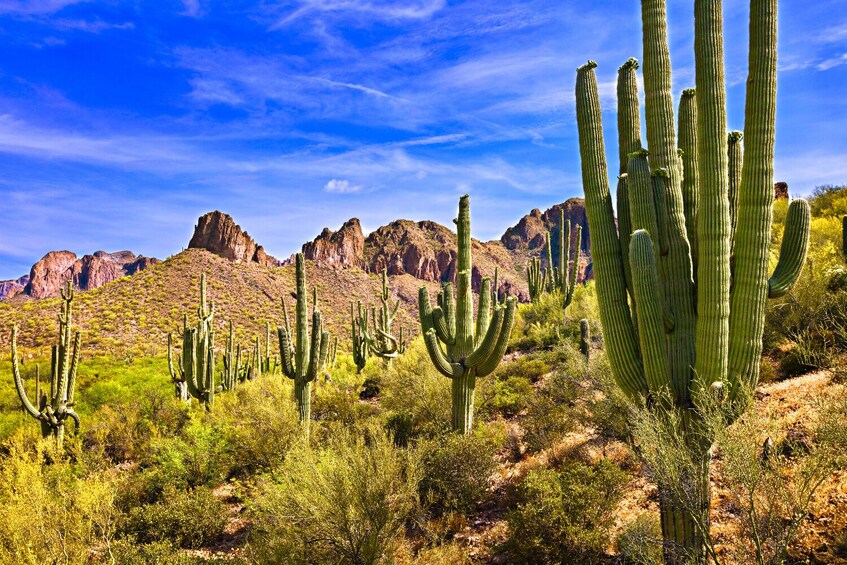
{"points": [[12, 287], [50, 273], [427, 250], [218, 233]]}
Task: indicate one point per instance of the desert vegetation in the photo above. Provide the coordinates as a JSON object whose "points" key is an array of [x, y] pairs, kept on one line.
{"points": [[686, 406]]}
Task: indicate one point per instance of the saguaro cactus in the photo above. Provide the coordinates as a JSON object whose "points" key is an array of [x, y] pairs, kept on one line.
{"points": [[686, 227], [52, 411], [304, 359], [382, 343], [556, 277], [232, 368], [359, 335], [470, 350], [196, 366]]}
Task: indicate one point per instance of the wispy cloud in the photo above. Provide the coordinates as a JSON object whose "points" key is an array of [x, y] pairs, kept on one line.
{"points": [[341, 186], [191, 8], [385, 11], [34, 7]]}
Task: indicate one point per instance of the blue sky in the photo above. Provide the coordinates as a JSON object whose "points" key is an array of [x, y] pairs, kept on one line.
{"points": [[121, 122]]}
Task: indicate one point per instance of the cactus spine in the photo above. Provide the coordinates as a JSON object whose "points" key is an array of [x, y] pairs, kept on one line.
{"points": [[52, 411], [471, 349], [304, 359], [684, 226], [197, 362]]}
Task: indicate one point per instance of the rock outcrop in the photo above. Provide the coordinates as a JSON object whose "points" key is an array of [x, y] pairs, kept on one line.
{"points": [[48, 275], [13, 287], [218, 233], [780, 190], [343, 248], [529, 231]]}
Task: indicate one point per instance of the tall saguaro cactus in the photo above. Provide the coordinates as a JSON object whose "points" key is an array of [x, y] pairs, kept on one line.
{"points": [[382, 343], [690, 215], [303, 359], [471, 349], [52, 411], [196, 366]]}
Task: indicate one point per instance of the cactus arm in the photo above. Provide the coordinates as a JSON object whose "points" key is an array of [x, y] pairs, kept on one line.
{"points": [[755, 200], [483, 312], [735, 157], [488, 365], [285, 353], [209, 377], [624, 356], [642, 202], [585, 338], [574, 269], [486, 347], [301, 358], [19, 383], [651, 332], [54, 371], [659, 179], [792, 251], [315, 348], [629, 141], [548, 253], [675, 265], [495, 289], [687, 139], [442, 326], [564, 249], [713, 219], [189, 347], [444, 366], [73, 369], [171, 368]]}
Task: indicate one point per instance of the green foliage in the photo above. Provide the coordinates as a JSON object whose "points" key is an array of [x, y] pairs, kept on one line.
{"points": [[564, 515], [47, 513], [346, 503], [456, 470], [188, 519], [640, 542]]}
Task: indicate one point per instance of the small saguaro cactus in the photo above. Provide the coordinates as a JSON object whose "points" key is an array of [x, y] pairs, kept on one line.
{"points": [[471, 349], [197, 360], [381, 342], [691, 245], [304, 359], [359, 334], [584, 339], [177, 376], [536, 278], [52, 411], [232, 369]]}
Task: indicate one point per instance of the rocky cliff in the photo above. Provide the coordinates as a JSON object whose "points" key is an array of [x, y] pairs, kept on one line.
{"points": [[49, 274], [10, 288], [218, 233], [343, 248]]}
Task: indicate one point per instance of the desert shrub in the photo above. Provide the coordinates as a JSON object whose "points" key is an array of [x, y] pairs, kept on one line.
{"points": [[640, 542], [129, 551], [347, 503], [259, 423], [199, 456], [564, 515], [188, 519], [47, 513], [414, 386], [456, 469]]}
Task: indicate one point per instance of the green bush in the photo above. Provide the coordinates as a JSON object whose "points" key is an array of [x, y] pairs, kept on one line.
{"points": [[564, 515], [190, 519], [456, 470], [347, 503], [640, 542]]}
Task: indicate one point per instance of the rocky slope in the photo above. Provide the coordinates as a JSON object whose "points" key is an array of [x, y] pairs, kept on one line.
{"points": [[10, 288]]}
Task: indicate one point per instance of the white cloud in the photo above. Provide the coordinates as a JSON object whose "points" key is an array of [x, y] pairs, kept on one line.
{"points": [[191, 8], [340, 186], [33, 7]]}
